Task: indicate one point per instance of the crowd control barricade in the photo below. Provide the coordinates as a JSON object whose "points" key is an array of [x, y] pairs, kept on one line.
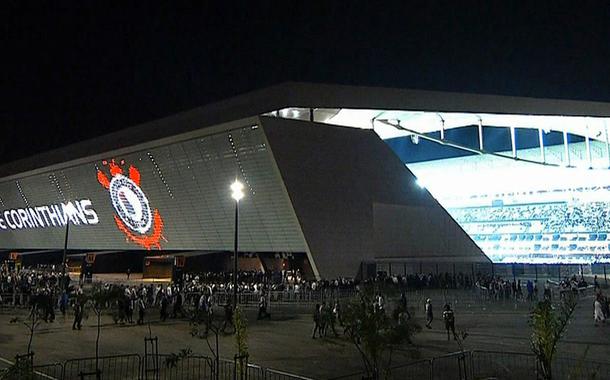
{"points": [[272, 374], [565, 368], [352, 376], [504, 365], [53, 371], [226, 369], [190, 367], [421, 369], [255, 372], [455, 366], [116, 367]]}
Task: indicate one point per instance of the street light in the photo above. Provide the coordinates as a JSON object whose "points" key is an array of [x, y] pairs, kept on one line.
{"points": [[63, 262], [237, 194]]}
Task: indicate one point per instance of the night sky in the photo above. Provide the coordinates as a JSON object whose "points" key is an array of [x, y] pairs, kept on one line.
{"points": [[80, 71]]}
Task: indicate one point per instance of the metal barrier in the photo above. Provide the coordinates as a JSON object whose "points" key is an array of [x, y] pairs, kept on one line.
{"points": [[459, 366], [272, 374], [226, 368], [455, 366], [421, 369], [504, 365], [255, 372], [190, 367], [275, 297], [52, 371], [111, 367], [574, 368]]}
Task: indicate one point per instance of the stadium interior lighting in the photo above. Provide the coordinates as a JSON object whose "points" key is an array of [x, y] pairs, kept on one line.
{"points": [[237, 190], [428, 121]]}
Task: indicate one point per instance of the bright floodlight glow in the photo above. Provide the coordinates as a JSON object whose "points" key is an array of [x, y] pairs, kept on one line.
{"points": [[237, 192]]}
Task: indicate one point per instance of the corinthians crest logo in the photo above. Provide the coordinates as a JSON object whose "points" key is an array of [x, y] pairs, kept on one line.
{"points": [[134, 217]]}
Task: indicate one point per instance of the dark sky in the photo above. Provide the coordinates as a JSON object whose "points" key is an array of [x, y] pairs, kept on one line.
{"points": [[75, 72]]}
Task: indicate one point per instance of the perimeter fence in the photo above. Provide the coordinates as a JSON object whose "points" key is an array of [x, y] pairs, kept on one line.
{"points": [[134, 367], [473, 365], [466, 365]]}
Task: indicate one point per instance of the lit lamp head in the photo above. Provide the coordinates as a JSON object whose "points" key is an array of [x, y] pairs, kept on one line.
{"points": [[237, 191]]}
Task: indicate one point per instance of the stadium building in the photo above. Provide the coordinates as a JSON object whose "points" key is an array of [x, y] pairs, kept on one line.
{"points": [[338, 181]]}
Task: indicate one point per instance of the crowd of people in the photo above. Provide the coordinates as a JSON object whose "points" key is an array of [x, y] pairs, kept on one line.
{"points": [[197, 295], [556, 217], [45, 287]]}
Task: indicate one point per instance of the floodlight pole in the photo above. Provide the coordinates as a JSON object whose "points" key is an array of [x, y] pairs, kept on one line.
{"points": [[237, 194], [235, 254], [63, 261]]}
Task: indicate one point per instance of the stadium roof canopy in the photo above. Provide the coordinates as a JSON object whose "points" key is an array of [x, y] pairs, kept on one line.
{"points": [[390, 112]]}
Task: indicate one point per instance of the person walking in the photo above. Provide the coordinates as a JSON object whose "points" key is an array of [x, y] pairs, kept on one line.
{"points": [[598, 313], [404, 306], [530, 290], [78, 315], [262, 308], [141, 310], [449, 318], [63, 303], [129, 308], [177, 306], [334, 317], [163, 309], [323, 319], [228, 317], [316, 322], [429, 313]]}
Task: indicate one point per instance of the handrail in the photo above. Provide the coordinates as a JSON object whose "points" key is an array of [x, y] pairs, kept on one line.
{"points": [[282, 373]]}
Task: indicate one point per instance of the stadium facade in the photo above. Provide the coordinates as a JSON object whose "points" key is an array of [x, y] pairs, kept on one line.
{"points": [[339, 181]]}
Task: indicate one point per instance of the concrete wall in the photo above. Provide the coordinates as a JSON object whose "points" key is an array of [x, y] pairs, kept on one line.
{"points": [[338, 179]]}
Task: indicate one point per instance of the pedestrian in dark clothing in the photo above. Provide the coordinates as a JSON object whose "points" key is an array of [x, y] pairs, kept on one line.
{"points": [[50, 308], [403, 305], [334, 317], [163, 309], [177, 306], [129, 308], [530, 290], [316, 321], [429, 313], [120, 304], [449, 319], [63, 303], [78, 315], [262, 308], [141, 310], [228, 317], [128, 273]]}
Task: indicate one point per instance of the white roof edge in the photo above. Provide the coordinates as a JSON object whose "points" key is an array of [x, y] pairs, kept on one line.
{"points": [[308, 95]]}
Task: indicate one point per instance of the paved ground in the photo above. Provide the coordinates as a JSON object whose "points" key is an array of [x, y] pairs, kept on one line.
{"points": [[285, 343]]}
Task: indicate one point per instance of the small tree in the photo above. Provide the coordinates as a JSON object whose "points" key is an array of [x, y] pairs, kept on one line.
{"points": [[241, 341], [374, 334], [203, 332], [23, 366], [32, 323], [548, 325], [100, 297]]}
